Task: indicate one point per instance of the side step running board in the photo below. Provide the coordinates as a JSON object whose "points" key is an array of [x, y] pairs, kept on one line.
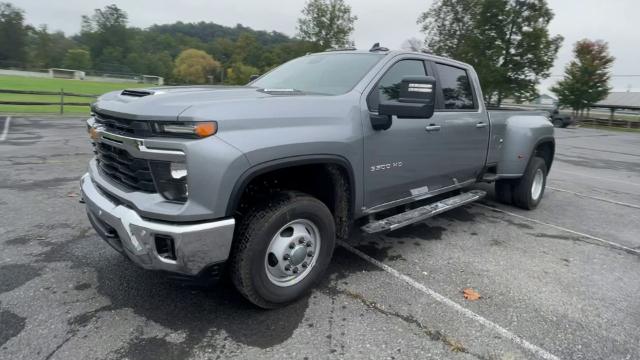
{"points": [[412, 216], [489, 177]]}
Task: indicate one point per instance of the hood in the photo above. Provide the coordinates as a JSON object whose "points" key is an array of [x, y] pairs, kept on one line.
{"points": [[222, 103], [167, 103]]}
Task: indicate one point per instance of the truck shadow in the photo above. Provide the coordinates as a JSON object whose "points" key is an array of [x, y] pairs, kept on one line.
{"points": [[205, 311], [211, 315]]}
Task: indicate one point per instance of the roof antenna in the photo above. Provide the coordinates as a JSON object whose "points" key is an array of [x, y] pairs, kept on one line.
{"points": [[377, 47]]}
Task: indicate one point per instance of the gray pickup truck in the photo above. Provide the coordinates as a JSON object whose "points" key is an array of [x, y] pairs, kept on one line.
{"points": [[259, 181]]}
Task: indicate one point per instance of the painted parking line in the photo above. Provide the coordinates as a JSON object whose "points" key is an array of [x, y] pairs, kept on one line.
{"points": [[610, 243], [5, 130], [540, 352], [597, 177], [595, 197]]}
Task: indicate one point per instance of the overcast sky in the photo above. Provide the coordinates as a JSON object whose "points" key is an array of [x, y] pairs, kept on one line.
{"points": [[389, 22]]}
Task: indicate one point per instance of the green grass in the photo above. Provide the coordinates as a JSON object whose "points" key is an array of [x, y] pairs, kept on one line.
{"points": [[44, 84]]}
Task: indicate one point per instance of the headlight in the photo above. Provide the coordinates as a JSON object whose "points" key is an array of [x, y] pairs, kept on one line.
{"points": [[171, 180], [186, 129]]}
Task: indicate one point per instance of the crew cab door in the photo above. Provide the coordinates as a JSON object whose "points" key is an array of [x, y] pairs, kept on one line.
{"points": [[465, 124], [401, 162]]}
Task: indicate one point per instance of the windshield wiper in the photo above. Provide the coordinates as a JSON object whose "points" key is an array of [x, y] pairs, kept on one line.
{"points": [[289, 91], [281, 91]]}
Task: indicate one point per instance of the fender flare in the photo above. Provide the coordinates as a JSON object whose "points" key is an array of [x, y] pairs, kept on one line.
{"points": [[544, 139], [265, 167]]}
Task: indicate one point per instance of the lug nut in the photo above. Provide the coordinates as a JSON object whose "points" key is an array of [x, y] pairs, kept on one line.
{"points": [[295, 270], [286, 257], [304, 265], [310, 253], [287, 267], [292, 245], [301, 241], [309, 244]]}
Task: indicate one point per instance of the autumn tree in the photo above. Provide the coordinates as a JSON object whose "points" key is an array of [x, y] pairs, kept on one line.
{"points": [[194, 67], [507, 42], [586, 78], [328, 23]]}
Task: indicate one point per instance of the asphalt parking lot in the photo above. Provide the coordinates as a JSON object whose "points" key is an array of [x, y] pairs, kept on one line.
{"points": [[559, 282]]}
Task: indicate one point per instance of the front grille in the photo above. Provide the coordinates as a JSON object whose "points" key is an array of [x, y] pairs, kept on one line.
{"points": [[123, 126], [123, 168]]}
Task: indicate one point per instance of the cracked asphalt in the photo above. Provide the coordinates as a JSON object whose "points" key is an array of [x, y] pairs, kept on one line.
{"points": [[64, 294]]}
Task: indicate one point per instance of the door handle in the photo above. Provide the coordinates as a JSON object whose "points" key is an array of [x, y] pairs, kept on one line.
{"points": [[433, 127], [481, 125]]}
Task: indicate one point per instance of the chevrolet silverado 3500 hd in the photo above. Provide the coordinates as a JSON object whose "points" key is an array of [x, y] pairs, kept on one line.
{"points": [[260, 180]]}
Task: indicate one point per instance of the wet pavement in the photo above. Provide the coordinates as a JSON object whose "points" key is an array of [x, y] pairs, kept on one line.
{"points": [[558, 282]]}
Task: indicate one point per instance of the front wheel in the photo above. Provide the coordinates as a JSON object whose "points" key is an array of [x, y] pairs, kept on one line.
{"points": [[282, 248], [528, 190]]}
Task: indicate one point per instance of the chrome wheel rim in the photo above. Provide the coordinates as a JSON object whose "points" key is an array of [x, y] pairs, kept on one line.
{"points": [[538, 183], [292, 253]]}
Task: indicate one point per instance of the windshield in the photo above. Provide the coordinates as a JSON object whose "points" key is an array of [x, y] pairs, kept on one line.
{"points": [[331, 74]]}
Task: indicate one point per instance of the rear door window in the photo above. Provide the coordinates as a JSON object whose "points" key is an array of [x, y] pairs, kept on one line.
{"points": [[456, 88]]}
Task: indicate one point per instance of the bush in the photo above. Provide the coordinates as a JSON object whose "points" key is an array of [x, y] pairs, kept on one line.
{"points": [[239, 74], [194, 67]]}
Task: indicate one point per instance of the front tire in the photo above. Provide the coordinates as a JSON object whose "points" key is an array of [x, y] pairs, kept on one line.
{"points": [[529, 189], [282, 248]]}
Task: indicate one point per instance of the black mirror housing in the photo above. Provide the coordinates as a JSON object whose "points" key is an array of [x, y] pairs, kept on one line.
{"points": [[417, 98], [253, 77]]}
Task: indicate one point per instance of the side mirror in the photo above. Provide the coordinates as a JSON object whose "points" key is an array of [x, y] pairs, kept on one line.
{"points": [[254, 77], [417, 99]]}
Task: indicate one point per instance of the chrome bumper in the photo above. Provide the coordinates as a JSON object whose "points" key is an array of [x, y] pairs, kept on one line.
{"points": [[196, 246]]}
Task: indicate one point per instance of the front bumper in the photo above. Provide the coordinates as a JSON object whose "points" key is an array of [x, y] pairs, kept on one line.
{"points": [[195, 246]]}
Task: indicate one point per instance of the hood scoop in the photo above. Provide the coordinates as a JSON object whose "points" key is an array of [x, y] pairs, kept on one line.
{"points": [[136, 93]]}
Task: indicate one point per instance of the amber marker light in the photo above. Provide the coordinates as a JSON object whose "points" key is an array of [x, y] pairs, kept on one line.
{"points": [[188, 129], [93, 133], [204, 129]]}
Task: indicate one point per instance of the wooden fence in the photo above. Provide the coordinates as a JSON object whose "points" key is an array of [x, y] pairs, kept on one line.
{"points": [[61, 94], [627, 124]]}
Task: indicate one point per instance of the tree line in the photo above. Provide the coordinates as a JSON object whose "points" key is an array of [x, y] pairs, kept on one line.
{"points": [[507, 41], [181, 52]]}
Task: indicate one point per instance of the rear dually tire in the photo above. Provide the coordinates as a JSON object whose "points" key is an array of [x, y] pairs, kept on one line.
{"points": [[528, 191]]}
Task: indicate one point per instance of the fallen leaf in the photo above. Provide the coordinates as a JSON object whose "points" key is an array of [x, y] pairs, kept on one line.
{"points": [[471, 294], [72, 194]]}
